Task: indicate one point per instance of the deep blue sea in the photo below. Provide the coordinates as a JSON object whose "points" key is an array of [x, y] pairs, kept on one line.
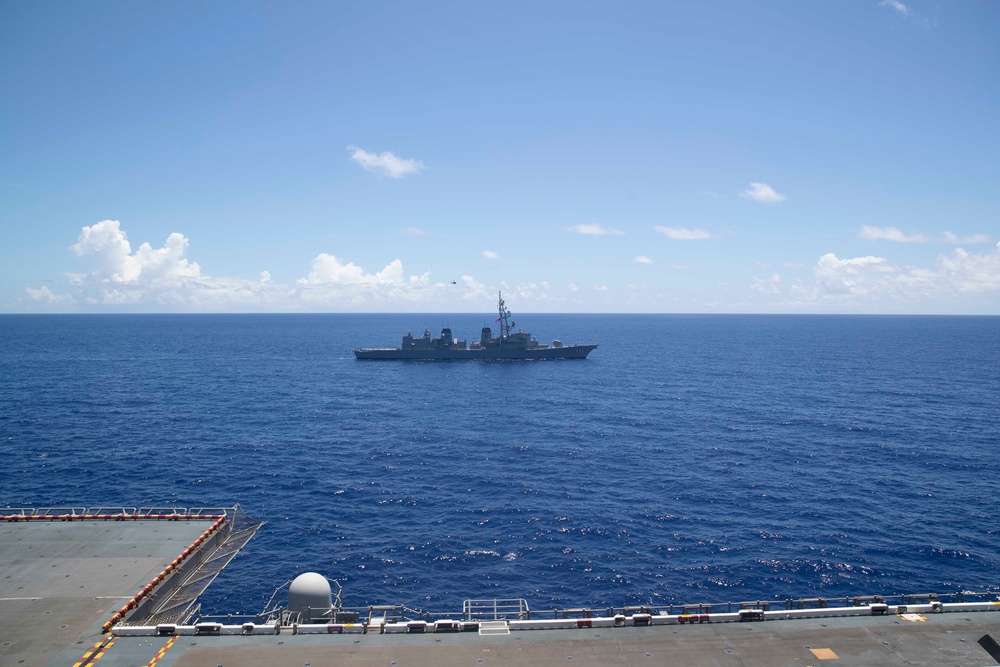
{"points": [[697, 458]]}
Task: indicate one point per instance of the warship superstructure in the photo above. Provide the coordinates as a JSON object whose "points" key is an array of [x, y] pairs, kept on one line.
{"points": [[509, 344]]}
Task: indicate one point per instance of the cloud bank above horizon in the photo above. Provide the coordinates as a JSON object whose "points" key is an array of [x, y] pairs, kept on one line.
{"points": [[149, 279]]}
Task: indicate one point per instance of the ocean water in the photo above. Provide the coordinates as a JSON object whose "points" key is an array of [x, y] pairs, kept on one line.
{"points": [[689, 459]]}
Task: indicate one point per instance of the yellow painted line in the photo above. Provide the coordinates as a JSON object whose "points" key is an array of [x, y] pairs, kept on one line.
{"points": [[86, 656], [100, 654], [95, 653], [824, 653], [159, 655]]}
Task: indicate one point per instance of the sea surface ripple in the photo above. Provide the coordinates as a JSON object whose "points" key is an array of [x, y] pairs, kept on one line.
{"points": [[697, 458]]}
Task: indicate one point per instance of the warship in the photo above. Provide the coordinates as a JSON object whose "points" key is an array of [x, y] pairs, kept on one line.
{"points": [[509, 344]]}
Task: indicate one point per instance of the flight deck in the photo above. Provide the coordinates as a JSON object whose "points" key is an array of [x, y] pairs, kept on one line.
{"points": [[120, 586]]}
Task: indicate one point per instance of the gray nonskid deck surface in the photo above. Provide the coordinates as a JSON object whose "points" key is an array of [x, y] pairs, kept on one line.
{"points": [[943, 640], [60, 581]]}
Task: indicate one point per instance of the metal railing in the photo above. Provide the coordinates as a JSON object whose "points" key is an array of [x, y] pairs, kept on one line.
{"points": [[496, 609], [206, 564], [120, 513], [518, 608]]}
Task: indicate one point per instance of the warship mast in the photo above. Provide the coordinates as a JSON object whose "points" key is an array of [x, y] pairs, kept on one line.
{"points": [[505, 322]]}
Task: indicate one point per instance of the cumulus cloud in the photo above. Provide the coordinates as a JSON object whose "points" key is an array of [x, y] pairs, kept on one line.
{"points": [[970, 272], [328, 270], [763, 193], [489, 254], [121, 277], [345, 285], [119, 264], [385, 163], [875, 280], [593, 229], [967, 240], [891, 234], [158, 279], [897, 5], [840, 276], [683, 233]]}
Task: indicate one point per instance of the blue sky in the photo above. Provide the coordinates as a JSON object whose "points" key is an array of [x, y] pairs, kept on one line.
{"points": [[771, 157]]}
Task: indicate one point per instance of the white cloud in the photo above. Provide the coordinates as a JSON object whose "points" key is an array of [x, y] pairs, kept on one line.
{"points": [[843, 276], [119, 297], [969, 272], [766, 285], [473, 291], [897, 5], [593, 229], [762, 192], [967, 240], [385, 163], [157, 280], [895, 234], [328, 270], [45, 295], [413, 231], [877, 282], [891, 234], [642, 259], [489, 254], [332, 283], [530, 292], [119, 264], [162, 279], [683, 233]]}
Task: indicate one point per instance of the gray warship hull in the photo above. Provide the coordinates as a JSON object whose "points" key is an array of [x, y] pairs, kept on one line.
{"points": [[455, 354]]}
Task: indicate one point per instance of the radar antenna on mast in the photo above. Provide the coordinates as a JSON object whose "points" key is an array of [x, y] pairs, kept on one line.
{"points": [[504, 319]]}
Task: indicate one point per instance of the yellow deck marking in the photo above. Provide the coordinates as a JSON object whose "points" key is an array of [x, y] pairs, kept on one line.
{"points": [[103, 650], [159, 655], [913, 618], [94, 654], [824, 653]]}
